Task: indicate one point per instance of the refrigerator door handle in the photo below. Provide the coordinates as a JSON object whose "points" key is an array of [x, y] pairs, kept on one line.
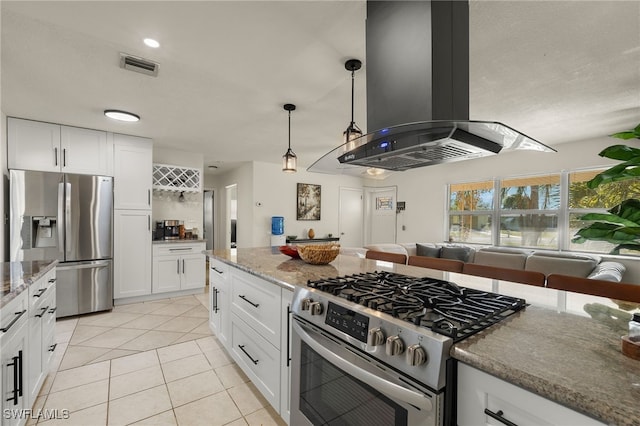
{"points": [[83, 265], [61, 220], [67, 217], [55, 156]]}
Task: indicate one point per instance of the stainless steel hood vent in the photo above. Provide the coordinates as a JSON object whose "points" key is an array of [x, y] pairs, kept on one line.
{"points": [[417, 70]]}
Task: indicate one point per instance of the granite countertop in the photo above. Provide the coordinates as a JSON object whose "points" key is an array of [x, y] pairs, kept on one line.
{"points": [[18, 276], [199, 240], [573, 360]]}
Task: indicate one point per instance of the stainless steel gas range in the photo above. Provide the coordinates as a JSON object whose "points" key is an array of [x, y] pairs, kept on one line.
{"points": [[373, 348]]}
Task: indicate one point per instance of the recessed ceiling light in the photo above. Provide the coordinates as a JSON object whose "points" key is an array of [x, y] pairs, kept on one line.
{"points": [[151, 43], [121, 115]]}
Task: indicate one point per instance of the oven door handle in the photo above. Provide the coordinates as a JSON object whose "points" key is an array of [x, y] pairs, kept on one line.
{"points": [[388, 388]]}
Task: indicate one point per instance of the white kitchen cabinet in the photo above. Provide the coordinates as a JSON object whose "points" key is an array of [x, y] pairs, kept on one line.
{"points": [[133, 168], [251, 316], [41, 333], [13, 359], [285, 355], [48, 147], [258, 359], [258, 303], [86, 151], [481, 395], [178, 266], [220, 300], [131, 253]]}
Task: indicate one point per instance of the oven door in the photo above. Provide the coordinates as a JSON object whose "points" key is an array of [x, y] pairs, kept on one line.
{"points": [[333, 383]]}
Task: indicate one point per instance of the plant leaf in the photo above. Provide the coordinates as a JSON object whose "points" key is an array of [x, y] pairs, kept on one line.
{"points": [[628, 210], [611, 218], [622, 171], [624, 135], [609, 232], [628, 246], [621, 152]]}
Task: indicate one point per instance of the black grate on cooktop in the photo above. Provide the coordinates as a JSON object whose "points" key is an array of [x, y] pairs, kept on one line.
{"points": [[441, 306]]}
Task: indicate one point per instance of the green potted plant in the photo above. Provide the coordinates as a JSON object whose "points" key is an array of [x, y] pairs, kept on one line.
{"points": [[621, 224]]}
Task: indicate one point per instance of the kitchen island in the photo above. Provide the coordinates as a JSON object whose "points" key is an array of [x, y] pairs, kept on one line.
{"points": [[573, 360]]}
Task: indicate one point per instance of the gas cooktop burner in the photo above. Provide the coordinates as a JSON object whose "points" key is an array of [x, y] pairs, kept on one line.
{"points": [[439, 305]]}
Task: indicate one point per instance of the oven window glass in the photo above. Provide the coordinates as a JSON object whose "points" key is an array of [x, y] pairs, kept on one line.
{"points": [[329, 396]]}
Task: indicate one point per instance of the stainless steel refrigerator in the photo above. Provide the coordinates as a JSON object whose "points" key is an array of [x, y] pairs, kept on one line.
{"points": [[68, 217]]}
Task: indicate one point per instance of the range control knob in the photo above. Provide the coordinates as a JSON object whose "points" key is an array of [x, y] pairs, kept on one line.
{"points": [[375, 337], [304, 305], [416, 355], [315, 308], [395, 345]]}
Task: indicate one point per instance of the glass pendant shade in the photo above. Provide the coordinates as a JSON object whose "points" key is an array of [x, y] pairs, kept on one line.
{"points": [[349, 136], [289, 162]]}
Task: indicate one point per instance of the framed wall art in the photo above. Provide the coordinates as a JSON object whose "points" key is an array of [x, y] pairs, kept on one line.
{"points": [[308, 202]]}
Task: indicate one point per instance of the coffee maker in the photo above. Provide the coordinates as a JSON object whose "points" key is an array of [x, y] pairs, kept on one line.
{"points": [[168, 229]]}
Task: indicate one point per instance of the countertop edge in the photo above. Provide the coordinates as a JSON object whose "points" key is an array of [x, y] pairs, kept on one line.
{"points": [[250, 271], [26, 283]]}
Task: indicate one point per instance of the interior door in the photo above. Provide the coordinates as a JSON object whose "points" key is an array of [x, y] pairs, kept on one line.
{"points": [[380, 216], [350, 220]]}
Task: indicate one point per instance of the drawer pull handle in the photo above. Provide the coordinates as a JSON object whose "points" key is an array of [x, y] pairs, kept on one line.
{"points": [[52, 280], [40, 292], [217, 270], [255, 361], [13, 321], [498, 417], [53, 347], [181, 249], [255, 305], [42, 313], [53, 310]]}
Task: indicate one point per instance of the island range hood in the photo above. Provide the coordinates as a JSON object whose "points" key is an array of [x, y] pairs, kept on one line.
{"points": [[417, 67]]}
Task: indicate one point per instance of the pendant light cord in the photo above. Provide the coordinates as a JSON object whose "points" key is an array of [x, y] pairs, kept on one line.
{"points": [[352, 95], [289, 130]]}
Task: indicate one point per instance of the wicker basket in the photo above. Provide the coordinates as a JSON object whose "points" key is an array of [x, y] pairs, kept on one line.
{"points": [[318, 254]]}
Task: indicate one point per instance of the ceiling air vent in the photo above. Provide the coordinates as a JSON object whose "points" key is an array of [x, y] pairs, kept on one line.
{"points": [[133, 63]]}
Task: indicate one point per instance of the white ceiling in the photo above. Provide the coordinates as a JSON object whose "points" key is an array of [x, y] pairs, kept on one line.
{"points": [[557, 71]]}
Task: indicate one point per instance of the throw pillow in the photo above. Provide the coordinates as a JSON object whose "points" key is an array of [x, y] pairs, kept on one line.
{"points": [[457, 253], [422, 250]]}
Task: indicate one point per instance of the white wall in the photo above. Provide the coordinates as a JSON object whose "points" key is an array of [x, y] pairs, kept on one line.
{"points": [[277, 191], [265, 191], [243, 178], [166, 204]]}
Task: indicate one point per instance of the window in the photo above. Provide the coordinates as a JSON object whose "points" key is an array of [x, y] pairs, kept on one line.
{"points": [[470, 206], [533, 211], [529, 212]]}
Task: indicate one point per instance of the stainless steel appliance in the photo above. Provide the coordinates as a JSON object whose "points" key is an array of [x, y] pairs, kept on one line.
{"points": [[373, 348], [168, 229], [68, 217]]}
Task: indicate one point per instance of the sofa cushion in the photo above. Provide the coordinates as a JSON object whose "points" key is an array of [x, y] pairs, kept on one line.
{"points": [[410, 248], [502, 257], [456, 252], [577, 265], [427, 250], [608, 271]]}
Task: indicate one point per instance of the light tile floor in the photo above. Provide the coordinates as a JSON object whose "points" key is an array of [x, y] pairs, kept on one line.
{"points": [[152, 363]]}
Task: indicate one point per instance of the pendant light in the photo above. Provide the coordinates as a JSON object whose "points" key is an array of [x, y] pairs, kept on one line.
{"points": [[289, 159], [353, 131]]}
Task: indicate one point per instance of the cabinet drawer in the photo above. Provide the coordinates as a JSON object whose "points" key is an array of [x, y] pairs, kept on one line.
{"points": [[259, 360], [258, 303], [12, 315], [38, 289], [177, 249], [481, 396], [218, 271]]}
